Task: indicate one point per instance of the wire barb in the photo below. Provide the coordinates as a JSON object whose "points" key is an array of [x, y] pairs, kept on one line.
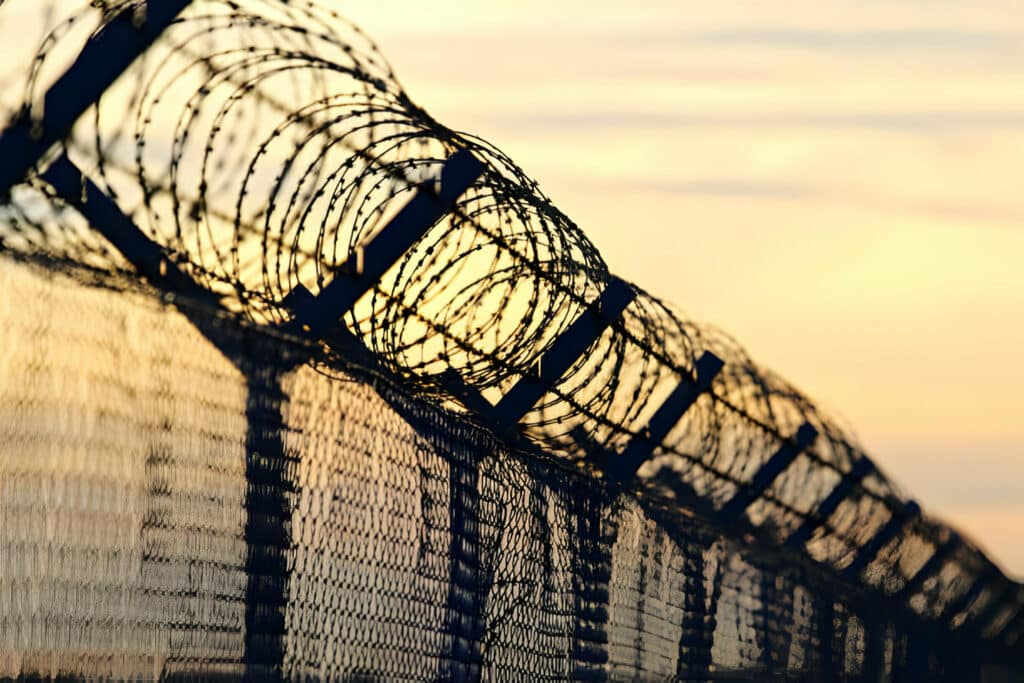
{"points": [[262, 152]]}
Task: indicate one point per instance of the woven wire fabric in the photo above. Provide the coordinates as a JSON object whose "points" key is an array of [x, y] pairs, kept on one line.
{"points": [[261, 145], [124, 531]]}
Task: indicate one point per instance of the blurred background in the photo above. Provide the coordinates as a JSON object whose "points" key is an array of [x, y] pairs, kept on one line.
{"points": [[836, 184]]}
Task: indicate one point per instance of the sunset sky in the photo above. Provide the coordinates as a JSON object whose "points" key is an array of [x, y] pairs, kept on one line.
{"points": [[837, 184]]}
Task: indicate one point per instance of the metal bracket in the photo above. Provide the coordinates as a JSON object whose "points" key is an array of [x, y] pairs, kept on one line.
{"points": [[769, 472], [854, 477], [565, 351], [641, 447], [314, 315], [910, 511], [105, 57]]}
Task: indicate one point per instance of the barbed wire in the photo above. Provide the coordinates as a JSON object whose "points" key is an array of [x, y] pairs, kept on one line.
{"points": [[262, 144]]}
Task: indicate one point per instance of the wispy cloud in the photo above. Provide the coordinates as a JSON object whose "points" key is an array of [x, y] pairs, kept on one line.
{"points": [[837, 159], [924, 122], [709, 187], [864, 41]]}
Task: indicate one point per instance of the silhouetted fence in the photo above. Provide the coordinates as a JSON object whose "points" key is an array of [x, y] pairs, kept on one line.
{"points": [[596, 486]]}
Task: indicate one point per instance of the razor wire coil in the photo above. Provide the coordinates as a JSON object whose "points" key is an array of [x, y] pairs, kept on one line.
{"points": [[261, 143]]}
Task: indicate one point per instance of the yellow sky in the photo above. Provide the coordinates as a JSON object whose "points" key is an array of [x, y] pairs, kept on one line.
{"points": [[835, 183]]}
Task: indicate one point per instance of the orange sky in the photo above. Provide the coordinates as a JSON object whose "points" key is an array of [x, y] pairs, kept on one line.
{"points": [[837, 184]]}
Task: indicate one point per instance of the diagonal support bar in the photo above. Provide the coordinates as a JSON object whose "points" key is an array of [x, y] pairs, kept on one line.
{"points": [[928, 569], [565, 351], [314, 315], [995, 604], [106, 217], [686, 393], [983, 580], [861, 469], [911, 510], [454, 384], [769, 472], [1014, 629], [105, 57], [1015, 616]]}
